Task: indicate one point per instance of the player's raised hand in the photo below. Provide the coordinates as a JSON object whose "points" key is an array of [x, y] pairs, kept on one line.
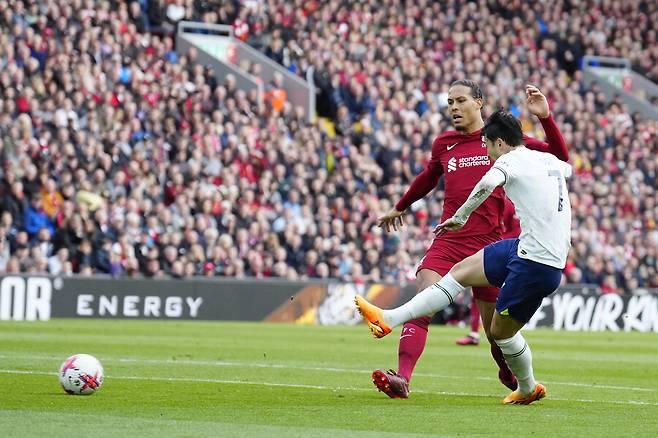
{"points": [[451, 224], [537, 103], [393, 218]]}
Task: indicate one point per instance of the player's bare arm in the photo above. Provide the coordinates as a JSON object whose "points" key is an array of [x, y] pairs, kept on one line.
{"points": [[492, 179], [393, 219]]}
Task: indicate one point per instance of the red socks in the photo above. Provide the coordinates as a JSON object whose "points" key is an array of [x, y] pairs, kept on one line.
{"points": [[497, 354], [412, 344], [475, 318]]}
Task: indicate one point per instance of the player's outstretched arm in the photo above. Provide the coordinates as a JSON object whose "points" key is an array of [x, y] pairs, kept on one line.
{"points": [[393, 219], [555, 144], [493, 178], [424, 183]]}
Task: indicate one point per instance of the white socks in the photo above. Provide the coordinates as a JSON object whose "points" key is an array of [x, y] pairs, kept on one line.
{"points": [[427, 302], [519, 359]]}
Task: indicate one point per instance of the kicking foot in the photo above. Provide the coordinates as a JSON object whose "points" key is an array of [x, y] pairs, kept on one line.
{"points": [[391, 383], [508, 380], [468, 340], [516, 398], [374, 316]]}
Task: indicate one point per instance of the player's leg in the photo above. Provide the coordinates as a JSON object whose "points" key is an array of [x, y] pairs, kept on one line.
{"points": [[414, 333], [487, 305], [475, 320], [472, 271], [438, 296], [495, 261], [412, 344], [506, 332], [524, 288], [473, 338]]}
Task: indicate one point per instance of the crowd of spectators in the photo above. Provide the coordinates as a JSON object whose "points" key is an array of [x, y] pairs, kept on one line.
{"points": [[122, 156]]}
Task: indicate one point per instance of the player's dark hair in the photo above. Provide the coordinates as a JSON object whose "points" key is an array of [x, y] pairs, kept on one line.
{"points": [[476, 91], [505, 126]]}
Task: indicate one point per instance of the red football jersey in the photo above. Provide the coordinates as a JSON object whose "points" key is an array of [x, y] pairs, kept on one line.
{"points": [[512, 224], [463, 159]]}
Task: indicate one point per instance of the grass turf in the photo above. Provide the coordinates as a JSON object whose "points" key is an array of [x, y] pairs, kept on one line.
{"points": [[194, 379]]}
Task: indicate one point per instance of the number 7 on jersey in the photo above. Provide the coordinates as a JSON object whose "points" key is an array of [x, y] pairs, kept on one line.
{"points": [[557, 174]]}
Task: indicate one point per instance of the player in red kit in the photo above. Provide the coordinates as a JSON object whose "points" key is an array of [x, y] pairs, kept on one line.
{"points": [[461, 156]]}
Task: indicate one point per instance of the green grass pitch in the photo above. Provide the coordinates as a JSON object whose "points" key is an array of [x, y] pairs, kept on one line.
{"points": [[192, 379]]}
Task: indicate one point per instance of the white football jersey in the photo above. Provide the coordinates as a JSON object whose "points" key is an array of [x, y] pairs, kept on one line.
{"points": [[535, 182]]}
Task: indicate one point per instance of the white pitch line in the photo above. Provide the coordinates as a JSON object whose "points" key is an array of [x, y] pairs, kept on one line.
{"points": [[220, 363], [320, 387]]}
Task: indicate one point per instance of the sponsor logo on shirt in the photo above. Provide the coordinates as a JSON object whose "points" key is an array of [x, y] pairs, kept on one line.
{"points": [[478, 160], [452, 164]]}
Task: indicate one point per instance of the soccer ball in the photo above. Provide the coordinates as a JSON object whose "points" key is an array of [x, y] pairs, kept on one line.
{"points": [[81, 374]]}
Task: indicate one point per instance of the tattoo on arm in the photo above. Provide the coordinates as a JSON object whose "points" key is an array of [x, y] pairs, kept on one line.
{"points": [[473, 202]]}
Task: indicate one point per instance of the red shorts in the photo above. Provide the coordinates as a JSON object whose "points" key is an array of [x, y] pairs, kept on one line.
{"points": [[443, 254]]}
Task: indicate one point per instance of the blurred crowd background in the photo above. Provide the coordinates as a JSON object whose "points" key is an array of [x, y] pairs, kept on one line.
{"points": [[121, 156]]}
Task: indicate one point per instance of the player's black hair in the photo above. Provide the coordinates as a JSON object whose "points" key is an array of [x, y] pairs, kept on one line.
{"points": [[476, 91], [505, 126]]}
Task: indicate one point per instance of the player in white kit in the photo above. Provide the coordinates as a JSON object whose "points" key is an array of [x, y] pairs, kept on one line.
{"points": [[526, 269]]}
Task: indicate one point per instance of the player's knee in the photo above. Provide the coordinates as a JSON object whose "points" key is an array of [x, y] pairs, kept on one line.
{"points": [[425, 279], [422, 285], [456, 269], [459, 270], [495, 333]]}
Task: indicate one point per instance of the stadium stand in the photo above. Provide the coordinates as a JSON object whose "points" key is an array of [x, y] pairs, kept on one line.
{"points": [[122, 156]]}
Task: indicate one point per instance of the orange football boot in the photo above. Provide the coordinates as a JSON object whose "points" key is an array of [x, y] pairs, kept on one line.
{"points": [[374, 316], [516, 398]]}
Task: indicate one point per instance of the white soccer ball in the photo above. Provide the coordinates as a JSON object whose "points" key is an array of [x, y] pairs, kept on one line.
{"points": [[81, 374]]}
